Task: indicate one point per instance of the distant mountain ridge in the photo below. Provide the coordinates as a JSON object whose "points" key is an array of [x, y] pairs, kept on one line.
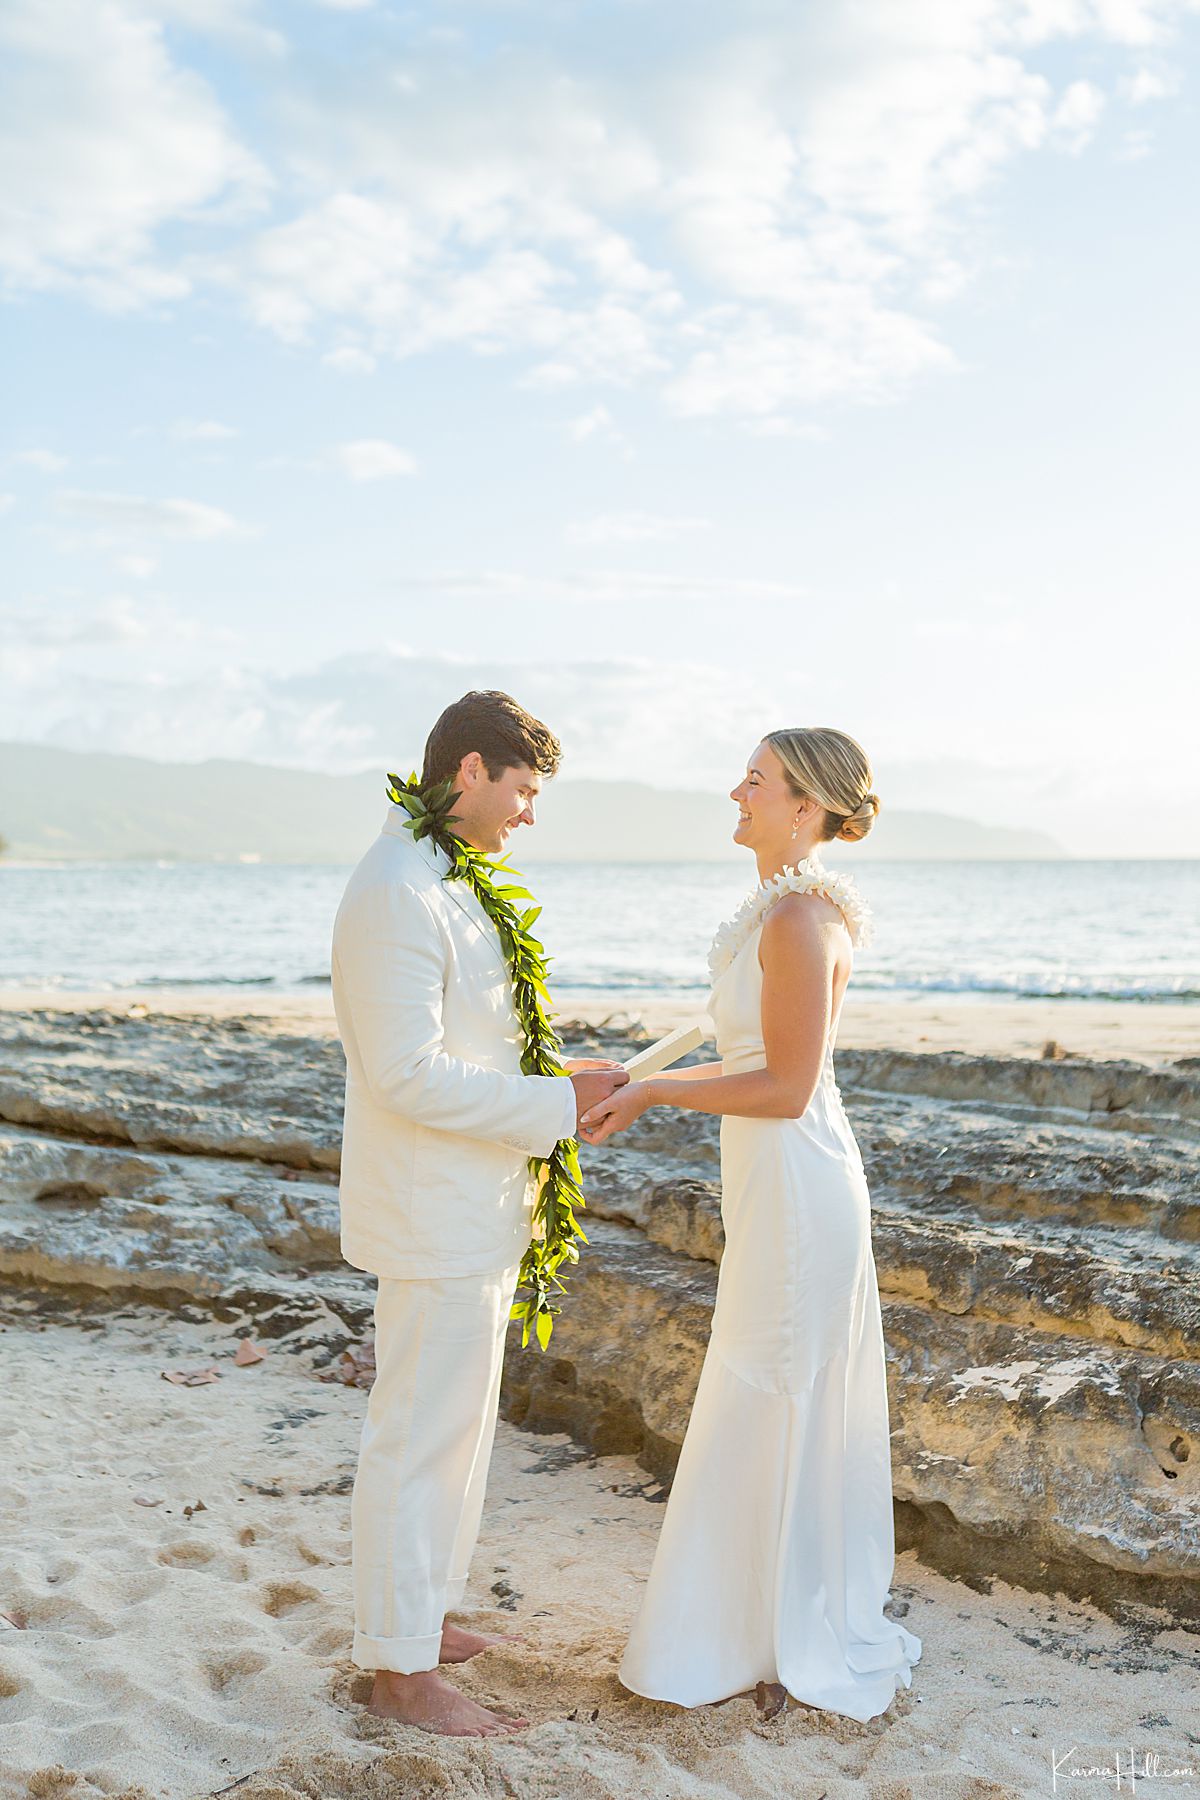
{"points": [[73, 805]]}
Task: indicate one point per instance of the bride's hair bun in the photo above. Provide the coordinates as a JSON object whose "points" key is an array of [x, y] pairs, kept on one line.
{"points": [[832, 768], [857, 824]]}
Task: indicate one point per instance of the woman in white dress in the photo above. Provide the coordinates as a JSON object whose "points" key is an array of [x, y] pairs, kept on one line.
{"points": [[777, 1549]]}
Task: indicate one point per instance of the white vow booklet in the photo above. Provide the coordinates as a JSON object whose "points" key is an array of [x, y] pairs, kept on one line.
{"points": [[656, 1057]]}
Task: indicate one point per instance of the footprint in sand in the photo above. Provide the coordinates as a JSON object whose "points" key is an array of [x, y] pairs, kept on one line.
{"points": [[63, 1570], [187, 1553], [228, 1673], [307, 1615], [313, 1558], [59, 1612], [282, 1598], [195, 1553], [135, 1588], [327, 1640]]}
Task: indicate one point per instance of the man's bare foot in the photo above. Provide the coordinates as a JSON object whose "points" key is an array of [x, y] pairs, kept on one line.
{"points": [[459, 1644], [430, 1703]]}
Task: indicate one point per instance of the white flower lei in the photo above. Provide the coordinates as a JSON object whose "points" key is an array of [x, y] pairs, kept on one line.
{"points": [[806, 877]]}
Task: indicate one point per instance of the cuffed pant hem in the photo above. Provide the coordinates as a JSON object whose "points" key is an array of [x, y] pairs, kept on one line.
{"points": [[402, 1656]]}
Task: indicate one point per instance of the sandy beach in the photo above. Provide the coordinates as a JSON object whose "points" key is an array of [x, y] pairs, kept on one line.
{"points": [[177, 1591], [175, 1615]]}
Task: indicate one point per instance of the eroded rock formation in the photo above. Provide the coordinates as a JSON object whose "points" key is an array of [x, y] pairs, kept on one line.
{"points": [[1036, 1232]]}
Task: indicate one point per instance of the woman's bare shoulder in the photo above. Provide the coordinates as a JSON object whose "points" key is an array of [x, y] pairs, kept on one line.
{"points": [[795, 914]]}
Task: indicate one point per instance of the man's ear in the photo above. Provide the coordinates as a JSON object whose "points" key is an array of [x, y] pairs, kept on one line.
{"points": [[469, 769]]}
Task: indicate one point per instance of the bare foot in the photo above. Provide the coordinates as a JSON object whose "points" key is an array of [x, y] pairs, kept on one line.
{"points": [[459, 1644], [430, 1703]]}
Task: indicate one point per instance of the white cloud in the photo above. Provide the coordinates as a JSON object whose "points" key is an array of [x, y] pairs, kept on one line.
{"points": [[103, 140], [116, 621], [1152, 84], [750, 366], [1131, 23], [141, 568], [232, 21], [48, 462], [598, 424], [679, 725], [766, 220], [589, 423], [1135, 146], [782, 426], [61, 659], [1076, 115], [911, 114], [132, 514], [7, 501], [202, 431], [346, 258], [373, 459], [348, 359], [632, 528], [413, 278], [809, 188], [596, 587]]}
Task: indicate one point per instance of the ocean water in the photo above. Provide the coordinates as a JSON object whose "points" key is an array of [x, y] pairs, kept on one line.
{"points": [[1089, 930], [1078, 929]]}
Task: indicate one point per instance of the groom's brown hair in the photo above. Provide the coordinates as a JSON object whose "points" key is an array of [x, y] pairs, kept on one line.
{"points": [[505, 735]]}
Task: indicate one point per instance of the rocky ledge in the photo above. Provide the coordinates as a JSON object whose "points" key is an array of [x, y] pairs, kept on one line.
{"points": [[1036, 1232]]}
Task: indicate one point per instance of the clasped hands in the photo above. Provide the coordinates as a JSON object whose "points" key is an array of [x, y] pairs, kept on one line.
{"points": [[607, 1100]]}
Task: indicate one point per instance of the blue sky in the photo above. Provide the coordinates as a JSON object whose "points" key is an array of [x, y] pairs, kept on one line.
{"points": [[686, 371]]}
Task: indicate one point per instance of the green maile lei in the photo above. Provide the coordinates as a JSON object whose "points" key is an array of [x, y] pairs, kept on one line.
{"points": [[557, 1233]]}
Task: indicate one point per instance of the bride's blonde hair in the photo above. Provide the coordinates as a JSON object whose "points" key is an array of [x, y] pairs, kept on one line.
{"points": [[830, 767]]}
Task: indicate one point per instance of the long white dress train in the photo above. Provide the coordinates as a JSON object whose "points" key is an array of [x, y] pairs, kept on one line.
{"points": [[777, 1547]]}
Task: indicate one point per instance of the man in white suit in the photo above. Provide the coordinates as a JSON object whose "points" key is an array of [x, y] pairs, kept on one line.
{"points": [[436, 1199]]}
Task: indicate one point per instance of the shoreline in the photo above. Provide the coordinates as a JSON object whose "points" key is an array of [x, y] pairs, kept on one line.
{"points": [[1148, 1031]]}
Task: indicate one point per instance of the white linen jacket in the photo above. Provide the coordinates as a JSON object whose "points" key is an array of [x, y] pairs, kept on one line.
{"points": [[439, 1120]]}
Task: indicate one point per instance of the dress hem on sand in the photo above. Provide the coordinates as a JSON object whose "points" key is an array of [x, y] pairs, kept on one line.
{"points": [[857, 1677]]}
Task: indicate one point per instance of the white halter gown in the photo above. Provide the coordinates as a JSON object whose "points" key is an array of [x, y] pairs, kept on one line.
{"points": [[777, 1548]]}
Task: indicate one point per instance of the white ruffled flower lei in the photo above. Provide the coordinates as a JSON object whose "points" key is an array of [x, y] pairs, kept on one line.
{"points": [[806, 877]]}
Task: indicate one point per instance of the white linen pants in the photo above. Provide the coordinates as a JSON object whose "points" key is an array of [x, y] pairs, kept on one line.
{"points": [[423, 1460]]}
